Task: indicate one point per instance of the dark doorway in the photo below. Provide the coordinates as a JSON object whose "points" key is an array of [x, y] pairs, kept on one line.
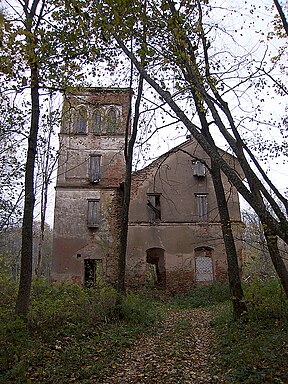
{"points": [[156, 273], [91, 272]]}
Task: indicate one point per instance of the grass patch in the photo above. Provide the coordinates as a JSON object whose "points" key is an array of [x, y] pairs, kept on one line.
{"points": [[71, 334], [255, 350], [203, 296]]}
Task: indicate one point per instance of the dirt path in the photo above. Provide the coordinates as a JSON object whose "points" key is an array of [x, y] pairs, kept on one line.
{"points": [[178, 352]]}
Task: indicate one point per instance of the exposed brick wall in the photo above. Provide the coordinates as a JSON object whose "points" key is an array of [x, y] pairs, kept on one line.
{"points": [[179, 281], [96, 97], [220, 271]]}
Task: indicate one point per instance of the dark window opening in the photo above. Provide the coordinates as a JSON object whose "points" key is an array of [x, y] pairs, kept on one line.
{"points": [[111, 120], [96, 122], [156, 273], [94, 168], [153, 202], [199, 169], [92, 272], [202, 207], [93, 219], [81, 121]]}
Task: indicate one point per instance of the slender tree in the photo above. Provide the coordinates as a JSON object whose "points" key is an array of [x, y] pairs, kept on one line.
{"points": [[128, 153], [127, 187], [47, 158], [44, 61], [22, 303]]}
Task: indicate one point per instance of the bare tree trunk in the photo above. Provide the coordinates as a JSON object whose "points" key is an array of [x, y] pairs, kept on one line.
{"points": [[23, 297], [237, 295], [127, 191], [44, 200], [280, 267], [39, 260], [22, 302]]}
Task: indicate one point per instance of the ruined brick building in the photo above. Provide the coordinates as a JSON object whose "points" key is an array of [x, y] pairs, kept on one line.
{"points": [[174, 237]]}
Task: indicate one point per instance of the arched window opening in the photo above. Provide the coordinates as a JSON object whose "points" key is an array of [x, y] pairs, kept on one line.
{"points": [[156, 273], [81, 121], [96, 122], [111, 119], [204, 265]]}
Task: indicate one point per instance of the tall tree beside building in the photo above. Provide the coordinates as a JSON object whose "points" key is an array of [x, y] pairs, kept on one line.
{"points": [[180, 48], [40, 63], [31, 21]]}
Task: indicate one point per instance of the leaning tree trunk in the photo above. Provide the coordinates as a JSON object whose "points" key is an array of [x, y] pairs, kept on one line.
{"points": [[279, 265], [22, 302], [237, 295], [282, 15]]}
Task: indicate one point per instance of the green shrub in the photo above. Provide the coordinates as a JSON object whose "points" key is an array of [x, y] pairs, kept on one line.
{"points": [[255, 350], [8, 288], [70, 333], [135, 308], [66, 303], [106, 302], [266, 300], [53, 306]]}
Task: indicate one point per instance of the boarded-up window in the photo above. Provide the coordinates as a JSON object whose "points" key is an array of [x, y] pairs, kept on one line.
{"points": [[204, 269], [202, 207], [94, 168], [81, 120], [93, 218], [111, 121], [199, 169], [96, 121], [154, 206]]}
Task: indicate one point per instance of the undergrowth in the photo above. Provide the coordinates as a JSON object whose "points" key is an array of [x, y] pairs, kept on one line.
{"points": [[71, 334], [255, 350], [202, 296], [76, 335]]}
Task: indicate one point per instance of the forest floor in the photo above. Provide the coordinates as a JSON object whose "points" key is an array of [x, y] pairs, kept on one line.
{"points": [[177, 350], [74, 335]]}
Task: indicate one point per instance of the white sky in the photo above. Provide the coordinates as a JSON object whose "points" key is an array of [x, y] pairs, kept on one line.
{"points": [[254, 28]]}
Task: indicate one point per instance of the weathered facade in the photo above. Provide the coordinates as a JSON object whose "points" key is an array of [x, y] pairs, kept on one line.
{"points": [[174, 236]]}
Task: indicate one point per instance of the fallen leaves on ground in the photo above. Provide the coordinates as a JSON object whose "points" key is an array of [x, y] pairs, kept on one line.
{"points": [[178, 351]]}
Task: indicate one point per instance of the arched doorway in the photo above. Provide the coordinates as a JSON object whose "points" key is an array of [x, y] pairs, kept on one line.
{"points": [[204, 265], [156, 272]]}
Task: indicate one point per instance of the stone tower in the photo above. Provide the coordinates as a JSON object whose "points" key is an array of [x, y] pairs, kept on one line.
{"points": [[91, 168]]}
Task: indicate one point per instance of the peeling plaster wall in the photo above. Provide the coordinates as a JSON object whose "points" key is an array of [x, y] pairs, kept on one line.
{"points": [[73, 240], [178, 232], [178, 235]]}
